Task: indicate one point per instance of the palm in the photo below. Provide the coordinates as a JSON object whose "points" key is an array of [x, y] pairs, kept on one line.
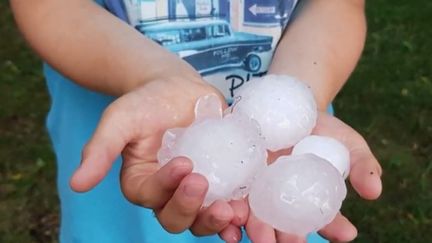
{"points": [[132, 126]]}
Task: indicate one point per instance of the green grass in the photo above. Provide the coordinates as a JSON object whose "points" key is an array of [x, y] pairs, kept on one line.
{"points": [[388, 99], [28, 200]]}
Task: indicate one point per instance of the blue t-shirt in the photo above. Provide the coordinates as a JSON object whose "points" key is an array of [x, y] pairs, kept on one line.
{"points": [[228, 42]]}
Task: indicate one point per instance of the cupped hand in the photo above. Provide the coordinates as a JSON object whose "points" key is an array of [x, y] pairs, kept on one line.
{"points": [[133, 126], [365, 177]]}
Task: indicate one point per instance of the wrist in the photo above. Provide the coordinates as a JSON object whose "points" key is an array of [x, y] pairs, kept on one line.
{"points": [[181, 89], [170, 99], [322, 102], [171, 71]]}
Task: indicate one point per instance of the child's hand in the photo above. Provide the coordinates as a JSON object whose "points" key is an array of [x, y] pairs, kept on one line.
{"points": [[365, 177], [133, 126]]}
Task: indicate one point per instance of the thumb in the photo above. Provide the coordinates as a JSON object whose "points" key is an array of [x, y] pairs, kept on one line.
{"points": [[99, 154]]}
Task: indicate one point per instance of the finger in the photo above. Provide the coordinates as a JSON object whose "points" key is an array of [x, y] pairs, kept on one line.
{"points": [[150, 186], [101, 151], [365, 170], [213, 219], [259, 232], [181, 210], [241, 212], [289, 238], [339, 230], [231, 234], [365, 175]]}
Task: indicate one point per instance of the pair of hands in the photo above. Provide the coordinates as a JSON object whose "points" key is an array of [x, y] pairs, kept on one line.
{"points": [[133, 126]]}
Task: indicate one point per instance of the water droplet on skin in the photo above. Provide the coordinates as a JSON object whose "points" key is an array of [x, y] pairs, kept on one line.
{"points": [[208, 107]]}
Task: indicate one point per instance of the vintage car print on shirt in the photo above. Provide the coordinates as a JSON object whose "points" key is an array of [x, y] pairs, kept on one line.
{"points": [[210, 45]]}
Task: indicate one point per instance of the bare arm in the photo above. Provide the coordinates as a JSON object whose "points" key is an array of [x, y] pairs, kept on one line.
{"points": [[94, 48], [322, 45], [158, 91]]}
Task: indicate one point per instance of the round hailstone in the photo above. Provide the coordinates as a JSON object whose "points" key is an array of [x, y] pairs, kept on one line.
{"points": [[228, 151], [297, 194], [284, 107], [327, 148]]}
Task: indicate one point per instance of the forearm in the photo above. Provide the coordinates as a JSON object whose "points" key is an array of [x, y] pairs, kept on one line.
{"points": [[94, 48], [322, 45]]}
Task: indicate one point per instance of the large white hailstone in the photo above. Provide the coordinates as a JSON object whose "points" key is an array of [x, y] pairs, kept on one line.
{"points": [[327, 148], [228, 150], [283, 106], [297, 194]]}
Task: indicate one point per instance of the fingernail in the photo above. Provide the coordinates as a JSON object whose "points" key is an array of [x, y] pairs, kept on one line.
{"points": [[217, 221], [220, 220], [178, 172], [235, 238], [194, 190], [227, 213]]}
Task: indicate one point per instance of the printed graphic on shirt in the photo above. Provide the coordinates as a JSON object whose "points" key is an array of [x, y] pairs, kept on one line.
{"points": [[227, 41]]}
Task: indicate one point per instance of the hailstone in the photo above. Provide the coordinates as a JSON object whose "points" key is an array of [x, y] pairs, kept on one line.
{"points": [[297, 194], [227, 150], [283, 106], [327, 148]]}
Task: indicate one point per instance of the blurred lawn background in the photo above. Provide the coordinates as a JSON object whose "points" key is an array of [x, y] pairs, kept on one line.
{"points": [[388, 99]]}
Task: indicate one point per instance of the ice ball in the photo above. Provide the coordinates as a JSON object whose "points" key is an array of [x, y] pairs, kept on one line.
{"points": [[283, 106], [297, 194], [228, 151], [327, 148]]}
